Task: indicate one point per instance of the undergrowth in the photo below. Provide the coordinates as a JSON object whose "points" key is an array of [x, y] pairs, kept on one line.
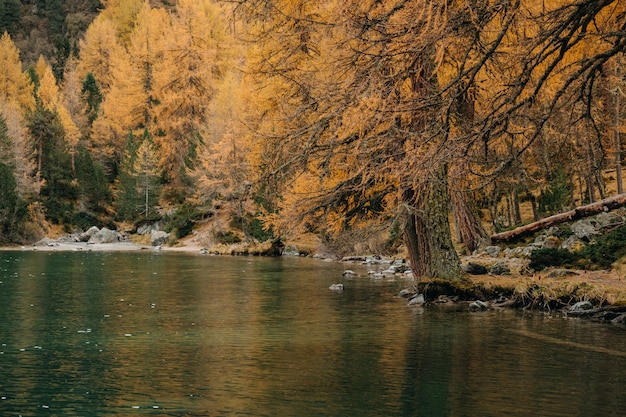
{"points": [[599, 254]]}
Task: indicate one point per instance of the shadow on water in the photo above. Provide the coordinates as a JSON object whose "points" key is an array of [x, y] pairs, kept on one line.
{"points": [[107, 334]]}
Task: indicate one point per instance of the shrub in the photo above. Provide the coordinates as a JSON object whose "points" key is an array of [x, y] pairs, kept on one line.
{"points": [[546, 257]]}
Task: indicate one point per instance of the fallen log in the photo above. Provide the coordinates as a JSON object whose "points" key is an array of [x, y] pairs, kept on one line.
{"points": [[607, 204]]}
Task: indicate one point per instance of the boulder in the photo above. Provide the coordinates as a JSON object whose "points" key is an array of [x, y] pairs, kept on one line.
{"points": [[493, 251], [105, 235], [572, 243], [158, 237], [417, 300], [608, 219], [584, 230], [86, 236], [478, 306], [581, 306], [336, 287], [500, 268], [474, 268]]}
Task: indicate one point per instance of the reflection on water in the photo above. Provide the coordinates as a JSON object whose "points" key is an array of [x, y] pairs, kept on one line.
{"points": [[107, 334]]}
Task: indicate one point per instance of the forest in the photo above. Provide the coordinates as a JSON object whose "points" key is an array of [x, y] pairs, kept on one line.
{"points": [[427, 123]]}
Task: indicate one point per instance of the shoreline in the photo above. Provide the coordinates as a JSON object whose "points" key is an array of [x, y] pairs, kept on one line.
{"points": [[604, 290]]}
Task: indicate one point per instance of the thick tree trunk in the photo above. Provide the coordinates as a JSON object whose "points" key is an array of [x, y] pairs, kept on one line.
{"points": [[578, 213], [470, 229], [427, 231]]}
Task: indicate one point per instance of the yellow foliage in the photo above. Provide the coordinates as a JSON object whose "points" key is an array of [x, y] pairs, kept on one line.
{"points": [[15, 85]]}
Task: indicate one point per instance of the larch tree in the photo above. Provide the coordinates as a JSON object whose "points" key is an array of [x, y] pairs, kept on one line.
{"points": [[370, 107], [15, 84], [17, 152], [52, 100], [100, 50], [186, 80]]}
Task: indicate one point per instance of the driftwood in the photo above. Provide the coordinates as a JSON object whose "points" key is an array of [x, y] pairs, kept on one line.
{"points": [[607, 204]]}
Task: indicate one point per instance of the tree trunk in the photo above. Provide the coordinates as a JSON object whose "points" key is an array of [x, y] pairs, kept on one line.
{"points": [[427, 230], [578, 213], [470, 229]]}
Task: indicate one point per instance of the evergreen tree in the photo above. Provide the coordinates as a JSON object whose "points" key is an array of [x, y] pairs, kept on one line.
{"points": [[10, 15], [95, 194], [138, 189], [92, 95], [54, 165], [13, 211]]}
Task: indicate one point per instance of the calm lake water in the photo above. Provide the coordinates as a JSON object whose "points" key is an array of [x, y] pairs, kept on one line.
{"points": [[162, 334]]}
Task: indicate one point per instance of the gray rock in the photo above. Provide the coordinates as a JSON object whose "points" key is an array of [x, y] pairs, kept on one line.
{"points": [[584, 230], [519, 252], [538, 242], [608, 219], [349, 273], [105, 235], [493, 251], [86, 236], [158, 237], [474, 268], [336, 287], [144, 229], [404, 293], [500, 268], [478, 306], [416, 300], [571, 242], [581, 306]]}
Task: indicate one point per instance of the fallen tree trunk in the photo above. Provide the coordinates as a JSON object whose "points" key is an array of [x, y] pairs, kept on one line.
{"points": [[607, 204]]}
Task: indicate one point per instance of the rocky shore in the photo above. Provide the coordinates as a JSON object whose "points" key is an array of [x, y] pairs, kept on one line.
{"points": [[496, 276]]}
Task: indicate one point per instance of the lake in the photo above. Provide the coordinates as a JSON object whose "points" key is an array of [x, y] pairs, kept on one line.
{"points": [[170, 334]]}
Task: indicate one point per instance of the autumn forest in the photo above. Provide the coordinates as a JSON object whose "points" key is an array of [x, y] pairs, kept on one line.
{"points": [[427, 123]]}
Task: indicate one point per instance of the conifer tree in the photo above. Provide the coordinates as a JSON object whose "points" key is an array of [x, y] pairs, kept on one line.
{"points": [[15, 85], [17, 149]]}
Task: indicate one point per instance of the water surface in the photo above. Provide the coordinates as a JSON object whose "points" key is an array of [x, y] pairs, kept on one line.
{"points": [[161, 334]]}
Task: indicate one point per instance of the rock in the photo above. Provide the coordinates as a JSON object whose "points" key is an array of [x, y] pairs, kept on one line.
{"points": [[348, 273], [551, 242], [560, 273], [86, 236], [336, 287], [105, 235], [572, 243], [538, 242], [416, 300], [604, 220], [519, 252], [404, 293], [581, 306], [158, 237], [493, 251], [584, 230], [474, 268], [500, 268], [145, 229], [291, 250], [478, 306]]}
